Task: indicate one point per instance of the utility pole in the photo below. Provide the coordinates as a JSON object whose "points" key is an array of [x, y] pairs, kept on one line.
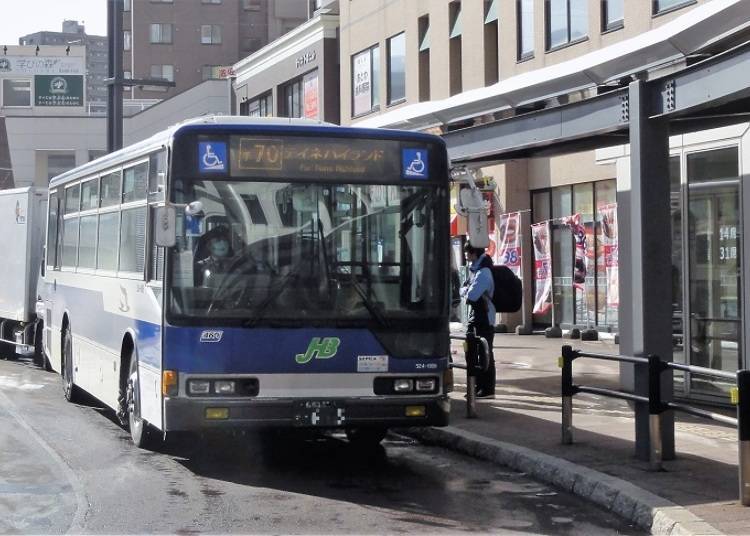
{"points": [[115, 81]]}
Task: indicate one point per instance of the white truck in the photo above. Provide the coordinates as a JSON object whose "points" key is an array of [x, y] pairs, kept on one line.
{"points": [[23, 214]]}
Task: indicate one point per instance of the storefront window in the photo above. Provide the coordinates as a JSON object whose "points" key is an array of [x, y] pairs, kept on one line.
{"points": [[562, 257], [607, 277], [541, 212], [714, 263], [585, 299], [675, 202]]}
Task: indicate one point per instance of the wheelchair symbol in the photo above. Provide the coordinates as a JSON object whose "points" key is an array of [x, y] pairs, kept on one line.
{"points": [[417, 165], [211, 159]]}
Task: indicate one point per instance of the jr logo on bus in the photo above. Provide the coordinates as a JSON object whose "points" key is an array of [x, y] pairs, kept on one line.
{"points": [[319, 348]]}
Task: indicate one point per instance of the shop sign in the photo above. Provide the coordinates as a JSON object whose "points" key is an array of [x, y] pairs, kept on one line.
{"points": [[62, 91], [36, 65], [307, 57]]}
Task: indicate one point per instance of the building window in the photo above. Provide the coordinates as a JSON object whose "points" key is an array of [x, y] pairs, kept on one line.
{"points": [[566, 21], [292, 99], [210, 34], [258, 107], [251, 5], [491, 59], [454, 52], [210, 72], [162, 1], [16, 92], [525, 16], [612, 15], [57, 164], [396, 68], [163, 71], [160, 33], [424, 58], [127, 5], [660, 6], [365, 80], [126, 40], [210, 1]]}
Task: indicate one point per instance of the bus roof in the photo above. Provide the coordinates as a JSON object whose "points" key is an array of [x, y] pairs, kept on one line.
{"points": [[164, 138]]}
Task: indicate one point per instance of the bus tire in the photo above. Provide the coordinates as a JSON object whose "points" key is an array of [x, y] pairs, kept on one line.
{"points": [[366, 437], [140, 431], [70, 390]]}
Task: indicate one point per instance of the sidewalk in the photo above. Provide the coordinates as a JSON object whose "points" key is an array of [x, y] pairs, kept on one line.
{"points": [[697, 493]]}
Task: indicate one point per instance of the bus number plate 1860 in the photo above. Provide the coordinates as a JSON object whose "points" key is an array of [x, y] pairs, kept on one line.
{"points": [[319, 413]]}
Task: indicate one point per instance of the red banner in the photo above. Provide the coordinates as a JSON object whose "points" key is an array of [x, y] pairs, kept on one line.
{"points": [[509, 241], [579, 234], [540, 236], [610, 250]]}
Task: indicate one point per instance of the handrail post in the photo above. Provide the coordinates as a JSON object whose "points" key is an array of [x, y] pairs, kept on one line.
{"points": [[743, 434], [470, 349], [655, 408], [567, 391]]}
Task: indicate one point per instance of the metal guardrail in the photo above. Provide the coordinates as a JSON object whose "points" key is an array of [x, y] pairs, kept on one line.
{"points": [[656, 406], [476, 361]]}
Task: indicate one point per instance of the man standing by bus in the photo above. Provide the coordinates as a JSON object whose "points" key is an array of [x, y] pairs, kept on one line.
{"points": [[478, 290]]}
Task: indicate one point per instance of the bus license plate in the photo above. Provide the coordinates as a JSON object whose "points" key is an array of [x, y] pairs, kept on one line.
{"points": [[318, 413]]}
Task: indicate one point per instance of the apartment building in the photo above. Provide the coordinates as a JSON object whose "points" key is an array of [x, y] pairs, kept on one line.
{"points": [[444, 65], [189, 41]]}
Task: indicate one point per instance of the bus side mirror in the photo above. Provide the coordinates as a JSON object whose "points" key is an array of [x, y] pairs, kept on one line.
{"points": [[165, 230], [471, 205]]}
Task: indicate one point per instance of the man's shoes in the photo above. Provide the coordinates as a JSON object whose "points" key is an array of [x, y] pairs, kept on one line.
{"points": [[487, 395]]}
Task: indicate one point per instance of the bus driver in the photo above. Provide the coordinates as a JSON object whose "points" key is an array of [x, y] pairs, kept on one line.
{"points": [[211, 269]]}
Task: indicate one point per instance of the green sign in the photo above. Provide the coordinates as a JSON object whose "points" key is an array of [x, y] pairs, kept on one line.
{"points": [[58, 90], [319, 348]]}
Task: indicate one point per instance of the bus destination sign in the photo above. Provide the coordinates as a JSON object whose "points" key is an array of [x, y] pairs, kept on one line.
{"points": [[311, 158]]}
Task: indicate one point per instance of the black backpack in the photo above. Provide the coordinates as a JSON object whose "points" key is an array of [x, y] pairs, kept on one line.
{"points": [[508, 294]]}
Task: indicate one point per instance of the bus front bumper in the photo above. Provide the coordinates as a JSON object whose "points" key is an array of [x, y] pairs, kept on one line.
{"points": [[192, 414]]}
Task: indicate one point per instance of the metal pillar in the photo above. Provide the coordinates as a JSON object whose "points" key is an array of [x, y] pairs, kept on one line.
{"points": [[646, 264], [114, 89]]}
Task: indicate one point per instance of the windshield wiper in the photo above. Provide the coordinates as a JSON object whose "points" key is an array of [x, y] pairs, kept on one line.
{"points": [[369, 305], [273, 295]]}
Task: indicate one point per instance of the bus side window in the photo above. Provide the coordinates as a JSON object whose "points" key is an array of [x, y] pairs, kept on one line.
{"points": [[52, 234]]}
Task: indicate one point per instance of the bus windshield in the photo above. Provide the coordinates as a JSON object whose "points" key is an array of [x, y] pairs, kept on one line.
{"points": [[277, 252]]}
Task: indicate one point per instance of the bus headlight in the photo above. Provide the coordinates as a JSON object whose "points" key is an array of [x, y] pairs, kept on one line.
{"points": [[403, 385], [224, 387], [426, 384], [199, 387]]}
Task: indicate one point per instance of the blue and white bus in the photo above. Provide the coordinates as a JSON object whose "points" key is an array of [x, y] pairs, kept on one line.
{"points": [[234, 273]]}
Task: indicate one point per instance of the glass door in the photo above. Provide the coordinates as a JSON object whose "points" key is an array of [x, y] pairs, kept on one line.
{"points": [[714, 263]]}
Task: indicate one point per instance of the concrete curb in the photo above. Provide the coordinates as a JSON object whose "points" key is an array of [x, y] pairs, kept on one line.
{"points": [[636, 505]]}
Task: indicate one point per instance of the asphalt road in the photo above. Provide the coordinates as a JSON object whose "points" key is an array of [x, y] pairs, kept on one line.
{"points": [[71, 468]]}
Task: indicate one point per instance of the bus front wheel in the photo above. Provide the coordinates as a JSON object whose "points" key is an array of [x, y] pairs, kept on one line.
{"points": [[140, 431]]}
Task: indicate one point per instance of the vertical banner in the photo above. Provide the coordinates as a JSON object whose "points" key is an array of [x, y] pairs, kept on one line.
{"points": [[310, 95], [540, 236], [610, 250], [362, 87], [509, 244], [579, 234]]}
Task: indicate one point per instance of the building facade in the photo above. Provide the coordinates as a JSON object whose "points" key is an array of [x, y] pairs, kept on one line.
{"points": [[442, 65], [297, 75], [189, 41], [75, 34]]}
